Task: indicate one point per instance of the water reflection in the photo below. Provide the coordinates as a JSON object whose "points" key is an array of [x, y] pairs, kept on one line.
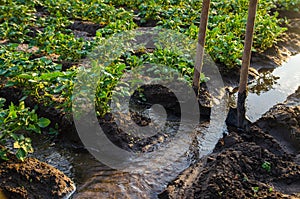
{"points": [[263, 83], [273, 87]]}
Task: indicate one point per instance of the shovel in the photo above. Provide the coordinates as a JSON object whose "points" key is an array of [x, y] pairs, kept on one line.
{"points": [[200, 45], [237, 116]]}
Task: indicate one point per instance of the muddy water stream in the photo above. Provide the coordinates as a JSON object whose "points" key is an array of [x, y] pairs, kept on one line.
{"points": [[95, 180]]}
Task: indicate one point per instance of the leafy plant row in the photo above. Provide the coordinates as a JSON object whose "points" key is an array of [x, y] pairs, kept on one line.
{"points": [[36, 42], [226, 27], [225, 32]]}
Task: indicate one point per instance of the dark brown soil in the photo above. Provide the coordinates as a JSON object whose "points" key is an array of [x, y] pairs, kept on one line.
{"points": [[283, 122], [85, 26], [154, 94], [33, 179], [147, 23], [235, 170], [237, 166]]}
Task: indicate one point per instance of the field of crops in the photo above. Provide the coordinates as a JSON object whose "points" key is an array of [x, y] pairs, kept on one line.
{"points": [[41, 49]]}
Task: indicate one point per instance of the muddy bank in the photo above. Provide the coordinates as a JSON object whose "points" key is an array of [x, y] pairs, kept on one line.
{"points": [[33, 179], [238, 168], [246, 165], [125, 135], [283, 122]]}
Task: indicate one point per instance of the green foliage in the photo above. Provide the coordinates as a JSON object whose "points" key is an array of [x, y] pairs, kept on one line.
{"points": [[15, 122], [110, 75], [255, 189], [117, 27], [40, 78], [14, 62], [89, 10], [226, 27], [266, 166], [49, 42], [108, 80], [15, 20], [293, 5], [175, 60], [65, 45], [226, 30], [225, 35]]}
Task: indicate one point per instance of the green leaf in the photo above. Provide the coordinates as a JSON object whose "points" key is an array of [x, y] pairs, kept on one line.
{"points": [[2, 101], [3, 155], [14, 136], [203, 78], [121, 67], [23, 98], [43, 122], [12, 113], [3, 72], [21, 154], [50, 76], [59, 88], [34, 128], [25, 76], [10, 84]]}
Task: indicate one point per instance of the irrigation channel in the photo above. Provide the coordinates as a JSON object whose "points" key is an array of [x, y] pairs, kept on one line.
{"points": [[95, 180]]}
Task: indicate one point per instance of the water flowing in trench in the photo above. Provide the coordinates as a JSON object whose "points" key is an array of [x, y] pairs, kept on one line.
{"points": [[95, 180]]}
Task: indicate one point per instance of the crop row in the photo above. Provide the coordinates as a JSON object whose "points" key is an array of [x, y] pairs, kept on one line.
{"points": [[41, 54]]}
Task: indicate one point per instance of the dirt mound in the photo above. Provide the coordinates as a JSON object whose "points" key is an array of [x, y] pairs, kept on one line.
{"points": [[242, 166], [260, 163], [283, 122], [33, 179]]}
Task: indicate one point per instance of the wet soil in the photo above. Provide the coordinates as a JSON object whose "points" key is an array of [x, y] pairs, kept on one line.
{"points": [[33, 179], [233, 170], [151, 95], [283, 122], [258, 163]]}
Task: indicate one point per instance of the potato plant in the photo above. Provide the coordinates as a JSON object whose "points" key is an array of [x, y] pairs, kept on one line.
{"points": [[15, 122], [43, 27]]}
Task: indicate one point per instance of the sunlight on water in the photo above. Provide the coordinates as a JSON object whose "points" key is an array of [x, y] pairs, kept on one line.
{"points": [[275, 88]]}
